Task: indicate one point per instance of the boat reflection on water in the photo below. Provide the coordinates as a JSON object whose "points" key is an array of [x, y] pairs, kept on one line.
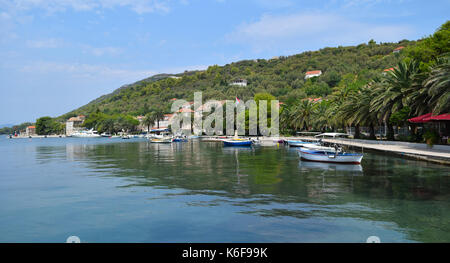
{"points": [[235, 150], [242, 185], [354, 168]]}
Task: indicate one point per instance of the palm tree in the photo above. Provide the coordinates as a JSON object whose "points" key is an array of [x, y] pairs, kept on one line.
{"points": [[286, 116], [149, 119], [393, 94], [301, 115], [158, 115], [359, 107], [417, 97], [320, 120], [438, 86], [347, 111]]}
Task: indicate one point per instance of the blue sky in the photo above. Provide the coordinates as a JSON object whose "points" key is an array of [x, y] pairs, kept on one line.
{"points": [[57, 55]]}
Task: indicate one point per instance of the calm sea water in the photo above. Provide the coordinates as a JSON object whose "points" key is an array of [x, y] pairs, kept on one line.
{"points": [[113, 190]]}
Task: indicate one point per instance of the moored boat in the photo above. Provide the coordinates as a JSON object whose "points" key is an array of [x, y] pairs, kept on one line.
{"points": [[295, 143], [329, 156], [161, 140], [86, 134], [237, 142], [179, 139], [106, 134]]}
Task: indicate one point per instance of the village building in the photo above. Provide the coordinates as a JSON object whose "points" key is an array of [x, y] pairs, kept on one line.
{"points": [[30, 130], [74, 124], [239, 82], [314, 100], [313, 73], [397, 50]]}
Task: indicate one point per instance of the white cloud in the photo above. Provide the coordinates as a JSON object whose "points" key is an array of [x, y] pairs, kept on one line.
{"points": [[45, 43], [312, 28], [368, 3], [184, 2], [101, 51], [52, 6], [93, 72], [85, 71], [271, 4]]}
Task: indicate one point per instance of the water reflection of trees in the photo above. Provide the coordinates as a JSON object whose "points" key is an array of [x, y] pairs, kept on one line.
{"points": [[268, 182]]}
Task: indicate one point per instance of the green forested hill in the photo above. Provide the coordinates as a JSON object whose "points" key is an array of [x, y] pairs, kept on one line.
{"points": [[282, 77]]}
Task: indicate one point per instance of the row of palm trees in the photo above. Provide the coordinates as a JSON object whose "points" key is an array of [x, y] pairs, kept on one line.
{"points": [[406, 87], [154, 116]]}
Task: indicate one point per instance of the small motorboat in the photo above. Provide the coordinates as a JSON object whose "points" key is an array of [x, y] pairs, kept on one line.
{"points": [[179, 139], [126, 137], [106, 134], [161, 140], [238, 142], [299, 143], [329, 155]]}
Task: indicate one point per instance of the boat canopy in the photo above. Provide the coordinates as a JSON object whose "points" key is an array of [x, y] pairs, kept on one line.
{"points": [[332, 134]]}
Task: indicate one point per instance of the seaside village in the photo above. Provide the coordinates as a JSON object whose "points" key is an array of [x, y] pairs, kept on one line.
{"points": [[74, 126], [314, 145]]}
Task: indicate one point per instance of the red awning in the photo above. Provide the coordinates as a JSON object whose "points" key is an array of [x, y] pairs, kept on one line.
{"points": [[442, 117], [420, 119], [428, 117]]}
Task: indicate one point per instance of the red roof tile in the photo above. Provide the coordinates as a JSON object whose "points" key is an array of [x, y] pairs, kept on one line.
{"points": [[313, 72]]}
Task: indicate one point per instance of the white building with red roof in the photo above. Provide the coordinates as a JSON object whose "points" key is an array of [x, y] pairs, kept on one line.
{"points": [[313, 73], [397, 50]]}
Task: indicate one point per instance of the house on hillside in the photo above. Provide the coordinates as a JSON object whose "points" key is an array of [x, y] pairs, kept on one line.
{"points": [[74, 124], [314, 100], [397, 50], [239, 82], [313, 73]]}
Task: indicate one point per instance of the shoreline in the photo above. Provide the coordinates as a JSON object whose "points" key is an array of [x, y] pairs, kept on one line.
{"points": [[420, 151]]}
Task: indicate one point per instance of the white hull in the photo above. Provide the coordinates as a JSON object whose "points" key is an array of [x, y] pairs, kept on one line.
{"points": [[331, 158], [86, 136], [301, 144]]}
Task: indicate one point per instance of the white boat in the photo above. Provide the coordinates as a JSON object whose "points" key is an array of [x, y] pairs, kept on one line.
{"points": [[86, 134], [299, 143], [106, 134], [318, 147], [161, 140], [329, 155]]}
